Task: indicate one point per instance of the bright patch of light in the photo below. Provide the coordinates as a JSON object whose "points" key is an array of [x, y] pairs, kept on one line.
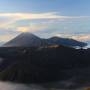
{"points": [[23, 29]]}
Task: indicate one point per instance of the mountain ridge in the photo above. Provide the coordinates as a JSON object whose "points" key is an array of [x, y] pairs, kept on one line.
{"points": [[31, 40]]}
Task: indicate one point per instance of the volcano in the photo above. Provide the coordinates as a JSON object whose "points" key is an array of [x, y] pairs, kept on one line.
{"points": [[66, 42], [24, 40], [31, 40]]}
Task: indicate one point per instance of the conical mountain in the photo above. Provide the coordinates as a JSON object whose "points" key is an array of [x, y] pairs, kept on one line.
{"points": [[24, 40]]}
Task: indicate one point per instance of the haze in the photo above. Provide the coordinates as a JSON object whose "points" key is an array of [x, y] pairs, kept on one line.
{"points": [[47, 18]]}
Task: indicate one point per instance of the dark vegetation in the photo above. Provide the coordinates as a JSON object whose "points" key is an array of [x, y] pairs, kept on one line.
{"points": [[40, 64]]}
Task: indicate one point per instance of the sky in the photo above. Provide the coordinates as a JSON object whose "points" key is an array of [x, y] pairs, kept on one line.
{"points": [[45, 18]]}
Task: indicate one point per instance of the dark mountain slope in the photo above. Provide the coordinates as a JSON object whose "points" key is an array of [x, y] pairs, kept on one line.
{"points": [[66, 42], [24, 40], [43, 64], [31, 40]]}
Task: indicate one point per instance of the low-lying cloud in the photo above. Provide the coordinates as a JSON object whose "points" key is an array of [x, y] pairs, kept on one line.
{"points": [[79, 37]]}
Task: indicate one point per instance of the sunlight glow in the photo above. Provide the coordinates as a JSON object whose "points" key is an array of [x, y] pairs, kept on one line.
{"points": [[23, 29]]}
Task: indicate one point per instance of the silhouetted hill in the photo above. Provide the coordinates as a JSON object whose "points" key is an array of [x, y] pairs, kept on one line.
{"points": [[41, 64], [24, 40], [66, 42], [31, 40]]}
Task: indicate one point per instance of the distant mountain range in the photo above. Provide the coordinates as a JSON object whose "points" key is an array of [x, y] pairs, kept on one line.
{"points": [[25, 40], [31, 40]]}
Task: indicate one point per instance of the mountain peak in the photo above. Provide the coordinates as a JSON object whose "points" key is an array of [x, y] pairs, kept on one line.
{"points": [[24, 40], [26, 33]]}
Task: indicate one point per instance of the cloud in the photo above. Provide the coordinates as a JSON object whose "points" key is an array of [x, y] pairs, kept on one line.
{"points": [[31, 28], [10, 18], [48, 15], [6, 37], [84, 37], [46, 21], [79, 37], [51, 16]]}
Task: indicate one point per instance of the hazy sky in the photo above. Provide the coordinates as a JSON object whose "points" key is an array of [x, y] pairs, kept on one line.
{"points": [[45, 18]]}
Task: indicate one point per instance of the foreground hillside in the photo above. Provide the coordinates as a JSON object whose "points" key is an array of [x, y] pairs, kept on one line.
{"points": [[41, 64]]}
